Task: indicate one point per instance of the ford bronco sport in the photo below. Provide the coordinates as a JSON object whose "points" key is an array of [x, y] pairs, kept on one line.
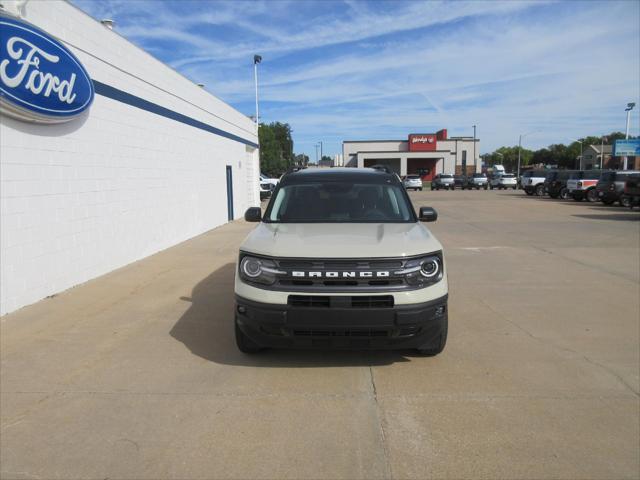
{"points": [[340, 260]]}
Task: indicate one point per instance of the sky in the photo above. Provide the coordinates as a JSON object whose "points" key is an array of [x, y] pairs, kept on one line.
{"points": [[350, 70]]}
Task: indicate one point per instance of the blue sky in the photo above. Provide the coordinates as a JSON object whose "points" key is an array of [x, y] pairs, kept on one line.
{"points": [[349, 70]]}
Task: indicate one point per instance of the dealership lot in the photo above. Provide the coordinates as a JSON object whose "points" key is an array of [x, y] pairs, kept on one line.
{"points": [[136, 374]]}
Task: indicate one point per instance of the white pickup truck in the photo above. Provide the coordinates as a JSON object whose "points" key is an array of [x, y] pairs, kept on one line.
{"points": [[532, 182], [583, 185]]}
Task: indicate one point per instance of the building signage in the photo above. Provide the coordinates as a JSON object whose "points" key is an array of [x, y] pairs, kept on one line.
{"points": [[626, 148], [40, 79], [424, 142]]}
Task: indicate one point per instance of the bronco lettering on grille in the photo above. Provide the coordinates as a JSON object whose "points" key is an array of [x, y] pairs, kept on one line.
{"points": [[350, 274]]}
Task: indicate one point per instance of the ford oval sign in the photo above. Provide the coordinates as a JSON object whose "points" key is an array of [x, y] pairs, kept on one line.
{"points": [[40, 79]]}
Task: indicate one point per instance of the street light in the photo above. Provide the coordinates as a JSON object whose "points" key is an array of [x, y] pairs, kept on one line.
{"points": [[320, 149], [475, 164], [256, 60], [626, 135], [580, 141], [520, 148], [317, 145]]}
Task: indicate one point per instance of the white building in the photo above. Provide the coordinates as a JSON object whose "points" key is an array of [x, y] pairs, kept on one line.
{"points": [[426, 154], [152, 161]]}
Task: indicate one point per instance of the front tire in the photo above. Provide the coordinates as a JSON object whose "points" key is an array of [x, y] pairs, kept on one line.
{"points": [[564, 193], [244, 343], [540, 190], [592, 195], [438, 346], [625, 201]]}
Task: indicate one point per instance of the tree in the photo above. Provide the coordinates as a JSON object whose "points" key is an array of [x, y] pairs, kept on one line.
{"points": [[276, 148]]}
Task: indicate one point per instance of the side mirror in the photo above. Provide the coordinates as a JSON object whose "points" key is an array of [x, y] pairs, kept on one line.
{"points": [[428, 214], [253, 214]]}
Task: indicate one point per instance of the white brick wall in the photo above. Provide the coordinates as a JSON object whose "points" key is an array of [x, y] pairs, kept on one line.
{"points": [[80, 199]]}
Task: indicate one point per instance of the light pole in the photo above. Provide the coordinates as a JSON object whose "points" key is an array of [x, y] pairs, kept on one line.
{"points": [[602, 152], [256, 60], [475, 164], [317, 145], [320, 149], [579, 141], [626, 134], [520, 148]]}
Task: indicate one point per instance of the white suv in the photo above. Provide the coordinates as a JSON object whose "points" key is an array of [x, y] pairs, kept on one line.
{"points": [[341, 260], [412, 182], [505, 180]]}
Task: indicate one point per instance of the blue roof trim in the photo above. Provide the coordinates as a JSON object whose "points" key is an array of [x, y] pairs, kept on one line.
{"points": [[124, 97]]}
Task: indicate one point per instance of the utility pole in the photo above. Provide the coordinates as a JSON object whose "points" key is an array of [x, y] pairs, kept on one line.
{"points": [[317, 145], [519, 148], [320, 149], [602, 153]]}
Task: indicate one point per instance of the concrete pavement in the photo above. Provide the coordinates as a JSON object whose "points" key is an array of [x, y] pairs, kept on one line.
{"points": [[136, 374]]}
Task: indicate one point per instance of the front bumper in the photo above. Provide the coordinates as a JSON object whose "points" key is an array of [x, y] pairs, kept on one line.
{"points": [[341, 326]]}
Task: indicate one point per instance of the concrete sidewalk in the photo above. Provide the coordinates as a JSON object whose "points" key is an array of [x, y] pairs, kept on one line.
{"points": [[136, 374]]}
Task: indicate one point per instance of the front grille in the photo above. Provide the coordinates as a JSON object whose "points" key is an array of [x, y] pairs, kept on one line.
{"points": [[361, 332], [321, 301], [290, 282]]}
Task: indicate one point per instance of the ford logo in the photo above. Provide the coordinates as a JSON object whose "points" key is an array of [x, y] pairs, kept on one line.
{"points": [[40, 79]]}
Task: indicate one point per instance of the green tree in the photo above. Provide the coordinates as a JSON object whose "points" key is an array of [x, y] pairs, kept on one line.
{"points": [[276, 148]]}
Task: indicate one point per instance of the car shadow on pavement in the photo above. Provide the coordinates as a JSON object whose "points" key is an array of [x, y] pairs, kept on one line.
{"points": [[207, 330], [629, 216]]}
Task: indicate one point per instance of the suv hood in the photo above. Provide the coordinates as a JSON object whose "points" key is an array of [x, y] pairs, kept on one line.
{"points": [[340, 240]]}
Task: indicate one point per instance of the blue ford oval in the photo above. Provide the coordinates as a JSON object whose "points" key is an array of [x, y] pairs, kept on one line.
{"points": [[40, 79]]}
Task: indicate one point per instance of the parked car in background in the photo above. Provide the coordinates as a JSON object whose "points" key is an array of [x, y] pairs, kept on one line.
{"points": [[478, 181], [631, 195], [506, 180], [266, 189], [459, 181], [610, 186], [582, 184], [533, 182], [555, 184], [412, 182], [443, 180], [265, 179]]}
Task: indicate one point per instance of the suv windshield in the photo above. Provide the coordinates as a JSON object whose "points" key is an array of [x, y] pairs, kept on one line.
{"points": [[479, 175], [446, 176], [338, 202]]}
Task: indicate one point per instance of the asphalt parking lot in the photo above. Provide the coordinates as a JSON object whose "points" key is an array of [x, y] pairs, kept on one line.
{"points": [[136, 374]]}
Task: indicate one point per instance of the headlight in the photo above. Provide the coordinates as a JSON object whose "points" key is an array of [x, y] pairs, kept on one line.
{"points": [[424, 271], [258, 270]]}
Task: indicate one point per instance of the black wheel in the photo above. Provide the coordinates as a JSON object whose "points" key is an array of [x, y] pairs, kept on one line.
{"points": [[491, 187], [577, 197], [244, 343], [592, 195], [438, 345], [625, 201], [564, 193], [485, 187], [420, 189], [540, 190]]}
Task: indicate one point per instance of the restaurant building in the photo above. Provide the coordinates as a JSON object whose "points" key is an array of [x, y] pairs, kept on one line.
{"points": [[425, 154]]}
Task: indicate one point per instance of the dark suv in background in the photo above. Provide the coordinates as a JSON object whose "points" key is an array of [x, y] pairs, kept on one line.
{"points": [[610, 186], [555, 183]]}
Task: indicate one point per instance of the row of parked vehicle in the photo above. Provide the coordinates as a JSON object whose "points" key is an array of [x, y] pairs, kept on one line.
{"points": [[476, 181], [606, 186]]}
